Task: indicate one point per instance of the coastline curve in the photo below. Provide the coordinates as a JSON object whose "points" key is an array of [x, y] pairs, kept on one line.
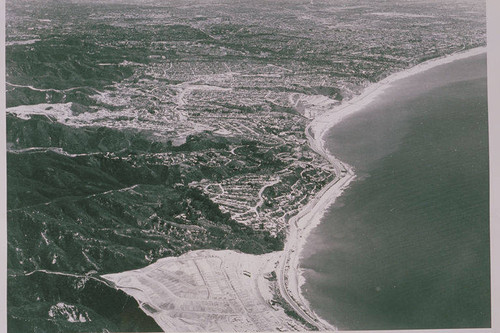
{"points": [[290, 275]]}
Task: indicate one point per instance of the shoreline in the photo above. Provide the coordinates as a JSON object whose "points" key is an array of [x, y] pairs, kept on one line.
{"points": [[244, 274], [311, 215]]}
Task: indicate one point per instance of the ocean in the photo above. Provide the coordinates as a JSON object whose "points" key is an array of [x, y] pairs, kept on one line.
{"points": [[407, 244]]}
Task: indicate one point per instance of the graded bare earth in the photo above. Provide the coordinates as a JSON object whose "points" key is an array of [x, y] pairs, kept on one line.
{"points": [[208, 291]]}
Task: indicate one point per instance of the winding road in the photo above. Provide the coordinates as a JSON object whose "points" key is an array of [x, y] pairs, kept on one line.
{"points": [[291, 293]]}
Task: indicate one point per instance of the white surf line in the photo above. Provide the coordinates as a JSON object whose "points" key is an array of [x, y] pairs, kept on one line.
{"points": [[288, 270], [310, 215], [327, 120]]}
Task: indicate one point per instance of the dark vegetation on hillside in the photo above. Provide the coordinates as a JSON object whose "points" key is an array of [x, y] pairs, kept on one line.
{"points": [[117, 206], [111, 209], [104, 305]]}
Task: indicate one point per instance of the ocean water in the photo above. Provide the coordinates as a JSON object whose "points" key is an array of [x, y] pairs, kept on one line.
{"points": [[407, 244]]}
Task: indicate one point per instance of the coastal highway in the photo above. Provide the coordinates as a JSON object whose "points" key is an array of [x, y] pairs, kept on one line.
{"points": [[343, 175], [307, 316], [319, 203], [288, 264]]}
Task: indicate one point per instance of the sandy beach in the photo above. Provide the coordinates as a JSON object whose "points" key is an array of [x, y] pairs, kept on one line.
{"points": [[310, 216], [200, 287]]}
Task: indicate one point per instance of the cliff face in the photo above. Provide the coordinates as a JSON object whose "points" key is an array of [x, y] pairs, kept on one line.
{"points": [[99, 212], [140, 131]]}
